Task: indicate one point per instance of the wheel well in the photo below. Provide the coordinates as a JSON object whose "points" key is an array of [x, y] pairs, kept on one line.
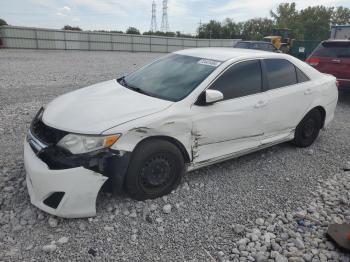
{"points": [[172, 140], [323, 113]]}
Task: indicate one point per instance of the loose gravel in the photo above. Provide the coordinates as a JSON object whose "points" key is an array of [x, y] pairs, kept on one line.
{"points": [[272, 205]]}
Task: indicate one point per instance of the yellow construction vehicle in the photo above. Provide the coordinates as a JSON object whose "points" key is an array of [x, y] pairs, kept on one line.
{"points": [[275, 40], [281, 39]]}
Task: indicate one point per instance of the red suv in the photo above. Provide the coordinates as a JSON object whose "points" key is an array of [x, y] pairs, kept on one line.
{"points": [[333, 57]]}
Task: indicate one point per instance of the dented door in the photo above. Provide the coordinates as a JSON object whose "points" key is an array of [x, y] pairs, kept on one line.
{"points": [[227, 127]]}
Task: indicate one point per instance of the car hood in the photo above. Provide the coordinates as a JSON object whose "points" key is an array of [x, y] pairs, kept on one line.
{"points": [[99, 107]]}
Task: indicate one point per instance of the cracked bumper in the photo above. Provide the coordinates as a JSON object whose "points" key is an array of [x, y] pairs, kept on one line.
{"points": [[79, 185]]}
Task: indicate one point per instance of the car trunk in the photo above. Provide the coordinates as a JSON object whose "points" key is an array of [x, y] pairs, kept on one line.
{"points": [[339, 67], [332, 58]]}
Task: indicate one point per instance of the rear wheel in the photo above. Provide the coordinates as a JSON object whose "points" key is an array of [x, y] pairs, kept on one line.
{"points": [[308, 129], [156, 168]]}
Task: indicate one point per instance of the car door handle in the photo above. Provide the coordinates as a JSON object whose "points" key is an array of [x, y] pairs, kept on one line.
{"points": [[260, 104], [308, 91]]}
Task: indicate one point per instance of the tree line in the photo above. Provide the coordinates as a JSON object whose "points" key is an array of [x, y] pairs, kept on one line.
{"points": [[133, 31], [311, 23]]}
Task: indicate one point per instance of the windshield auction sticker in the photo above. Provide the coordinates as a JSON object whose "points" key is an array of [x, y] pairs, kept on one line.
{"points": [[209, 62]]}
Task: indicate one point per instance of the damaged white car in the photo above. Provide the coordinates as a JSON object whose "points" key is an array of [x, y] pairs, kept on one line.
{"points": [[189, 109]]}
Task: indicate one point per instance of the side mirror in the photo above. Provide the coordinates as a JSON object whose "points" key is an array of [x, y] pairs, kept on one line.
{"points": [[212, 96]]}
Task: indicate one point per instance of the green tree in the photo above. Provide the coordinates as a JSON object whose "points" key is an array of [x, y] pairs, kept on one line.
{"points": [[212, 29], [230, 29], [72, 28], [253, 29], [2, 22], [109, 31], [312, 23], [341, 16], [287, 16], [315, 22], [160, 33], [179, 34], [257, 28], [133, 31]]}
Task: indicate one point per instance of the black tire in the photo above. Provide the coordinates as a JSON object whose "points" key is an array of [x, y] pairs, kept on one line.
{"points": [[156, 168], [308, 129]]}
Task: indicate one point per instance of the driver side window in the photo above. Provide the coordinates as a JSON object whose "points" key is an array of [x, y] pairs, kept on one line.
{"points": [[241, 79]]}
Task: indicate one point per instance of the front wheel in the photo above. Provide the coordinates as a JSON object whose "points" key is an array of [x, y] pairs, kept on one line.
{"points": [[308, 129], [156, 168]]}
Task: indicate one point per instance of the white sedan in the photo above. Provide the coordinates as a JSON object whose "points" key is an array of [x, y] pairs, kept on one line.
{"points": [[186, 110]]}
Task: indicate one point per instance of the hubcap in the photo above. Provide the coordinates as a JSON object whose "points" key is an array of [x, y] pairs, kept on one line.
{"points": [[156, 173], [309, 128]]}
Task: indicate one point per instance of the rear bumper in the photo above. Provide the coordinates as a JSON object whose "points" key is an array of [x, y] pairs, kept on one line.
{"points": [[79, 185], [344, 83]]}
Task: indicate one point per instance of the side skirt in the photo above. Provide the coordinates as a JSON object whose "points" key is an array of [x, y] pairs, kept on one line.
{"points": [[195, 166]]}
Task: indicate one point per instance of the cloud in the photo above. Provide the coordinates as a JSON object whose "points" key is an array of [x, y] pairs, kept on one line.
{"points": [[63, 11], [98, 5], [66, 8], [178, 8]]}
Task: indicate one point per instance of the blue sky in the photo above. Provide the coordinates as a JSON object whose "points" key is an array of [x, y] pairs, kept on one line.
{"points": [[184, 15]]}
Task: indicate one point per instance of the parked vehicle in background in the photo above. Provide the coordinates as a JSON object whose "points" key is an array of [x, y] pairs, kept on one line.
{"points": [[333, 57], [257, 45], [187, 110], [340, 32]]}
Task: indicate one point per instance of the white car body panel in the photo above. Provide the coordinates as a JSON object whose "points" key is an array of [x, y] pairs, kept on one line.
{"points": [[80, 185], [243, 118], [208, 134], [77, 112]]}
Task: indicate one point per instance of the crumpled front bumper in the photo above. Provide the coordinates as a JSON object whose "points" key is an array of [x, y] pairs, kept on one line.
{"points": [[79, 187]]}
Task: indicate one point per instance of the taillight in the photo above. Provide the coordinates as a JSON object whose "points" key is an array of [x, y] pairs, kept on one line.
{"points": [[337, 83], [313, 61]]}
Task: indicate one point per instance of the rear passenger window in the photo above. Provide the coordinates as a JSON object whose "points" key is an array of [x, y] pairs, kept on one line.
{"points": [[301, 76], [280, 73], [242, 79]]}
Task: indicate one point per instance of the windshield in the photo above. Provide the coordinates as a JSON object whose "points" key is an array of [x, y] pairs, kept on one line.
{"points": [[333, 49], [171, 78]]}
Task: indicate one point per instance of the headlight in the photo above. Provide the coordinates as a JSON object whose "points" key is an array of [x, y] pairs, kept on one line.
{"points": [[79, 144]]}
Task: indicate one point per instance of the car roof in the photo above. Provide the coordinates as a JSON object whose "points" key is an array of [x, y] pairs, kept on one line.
{"points": [[224, 54]]}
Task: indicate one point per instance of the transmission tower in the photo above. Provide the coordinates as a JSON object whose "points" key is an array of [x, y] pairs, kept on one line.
{"points": [[165, 22], [154, 27]]}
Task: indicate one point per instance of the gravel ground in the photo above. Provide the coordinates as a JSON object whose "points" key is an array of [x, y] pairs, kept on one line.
{"points": [[271, 205]]}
